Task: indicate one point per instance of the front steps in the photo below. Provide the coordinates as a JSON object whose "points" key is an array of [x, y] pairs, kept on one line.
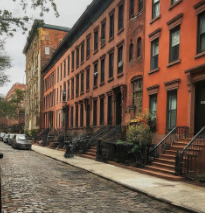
{"points": [[90, 153]]}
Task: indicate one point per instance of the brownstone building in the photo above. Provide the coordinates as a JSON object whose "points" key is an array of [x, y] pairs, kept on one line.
{"points": [[94, 78], [41, 44]]}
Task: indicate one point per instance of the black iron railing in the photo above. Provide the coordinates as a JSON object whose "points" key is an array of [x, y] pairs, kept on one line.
{"points": [[114, 133], [179, 132], [190, 161]]}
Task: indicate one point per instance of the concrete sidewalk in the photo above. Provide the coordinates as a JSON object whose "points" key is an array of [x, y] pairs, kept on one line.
{"points": [[180, 194]]}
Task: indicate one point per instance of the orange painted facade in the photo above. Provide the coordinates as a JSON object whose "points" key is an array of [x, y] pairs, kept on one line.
{"points": [[181, 75], [58, 78]]}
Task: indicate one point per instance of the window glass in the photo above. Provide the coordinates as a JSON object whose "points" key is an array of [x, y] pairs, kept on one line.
{"points": [[175, 38], [155, 48]]}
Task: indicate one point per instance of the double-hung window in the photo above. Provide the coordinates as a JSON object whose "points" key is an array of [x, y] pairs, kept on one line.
{"points": [[111, 64], [77, 85], [174, 44], [82, 52], [77, 57], [64, 63], [68, 96], [95, 74], [120, 60], [96, 40], [140, 5], [201, 33], [131, 53], [102, 79], [171, 109], [132, 8], [139, 47], [154, 53], [121, 17], [87, 79], [73, 60], [103, 33], [155, 8], [153, 105], [111, 26], [82, 83], [68, 65], [72, 88], [88, 47]]}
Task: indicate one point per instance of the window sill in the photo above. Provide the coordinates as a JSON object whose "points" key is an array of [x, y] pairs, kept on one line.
{"points": [[112, 38], [88, 58], [95, 87], [101, 84], [87, 90], [110, 79], [82, 63], [199, 55], [95, 52], [120, 31], [77, 66], [174, 63], [155, 19], [81, 93], [102, 45], [120, 75], [153, 71], [72, 70], [175, 4]]}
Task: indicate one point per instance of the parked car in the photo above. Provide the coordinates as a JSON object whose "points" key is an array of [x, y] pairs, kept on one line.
{"points": [[5, 138], [2, 135], [21, 141], [10, 139]]}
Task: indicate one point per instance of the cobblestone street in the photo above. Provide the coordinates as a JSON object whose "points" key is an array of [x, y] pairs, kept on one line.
{"points": [[35, 183]]}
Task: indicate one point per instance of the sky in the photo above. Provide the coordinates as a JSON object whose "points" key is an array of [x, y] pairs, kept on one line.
{"points": [[69, 10]]}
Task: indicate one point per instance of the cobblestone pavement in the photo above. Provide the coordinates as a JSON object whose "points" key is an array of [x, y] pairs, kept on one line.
{"points": [[35, 183]]}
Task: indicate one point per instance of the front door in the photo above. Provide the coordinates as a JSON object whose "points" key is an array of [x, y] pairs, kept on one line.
{"points": [[199, 106], [118, 108], [87, 114]]}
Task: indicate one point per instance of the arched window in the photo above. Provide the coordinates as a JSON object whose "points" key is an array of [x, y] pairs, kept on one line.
{"points": [[139, 45], [131, 53], [140, 5]]}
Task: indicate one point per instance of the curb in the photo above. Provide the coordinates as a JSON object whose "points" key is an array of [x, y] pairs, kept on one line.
{"points": [[129, 187]]}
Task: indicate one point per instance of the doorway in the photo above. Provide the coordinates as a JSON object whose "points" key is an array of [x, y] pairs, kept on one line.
{"points": [[118, 108], [199, 106]]}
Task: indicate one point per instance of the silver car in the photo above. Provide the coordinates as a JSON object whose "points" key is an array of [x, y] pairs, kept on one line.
{"points": [[10, 139], [21, 141], [2, 134], [5, 138]]}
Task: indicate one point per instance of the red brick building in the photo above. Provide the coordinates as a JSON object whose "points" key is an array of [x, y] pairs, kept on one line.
{"points": [[89, 80]]}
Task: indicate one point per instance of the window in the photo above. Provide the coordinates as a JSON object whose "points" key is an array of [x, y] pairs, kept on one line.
{"points": [[121, 17], [59, 120], [95, 74], [137, 94], [96, 40], [131, 53], [154, 54], [109, 110], [171, 109], [64, 68], [72, 88], [73, 60], [87, 79], [102, 76], [64, 92], [61, 71], [71, 118], [88, 48], [57, 96], [201, 33], [139, 45], [174, 44], [76, 116], [82, 83], [102, 111], [120, 60], [95, 113], [47, 50], [60, 93], [173, 1], [111, 26], [68, 65], [132, 8], [153, 105], [81, 115], [77, 85], [82, 52], [77, 57], [103, 33], [58, 75], [155, 8], [111, 64], [140, 5], [68, 83]]}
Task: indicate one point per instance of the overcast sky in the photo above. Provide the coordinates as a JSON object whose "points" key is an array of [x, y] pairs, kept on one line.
{"points": [[69, 10]]}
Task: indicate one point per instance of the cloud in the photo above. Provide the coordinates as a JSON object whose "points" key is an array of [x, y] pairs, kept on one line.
{"points": [[69, 10]]}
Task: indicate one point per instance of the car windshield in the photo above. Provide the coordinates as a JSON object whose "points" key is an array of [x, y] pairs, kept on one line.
{"points": [[22, 137]]}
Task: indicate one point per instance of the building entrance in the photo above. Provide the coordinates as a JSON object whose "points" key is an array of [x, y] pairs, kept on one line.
{"points": [[199, 106], [118, 108]]}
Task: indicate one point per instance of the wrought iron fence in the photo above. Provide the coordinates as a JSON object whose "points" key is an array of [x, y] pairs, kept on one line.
{"points": [[179, 132], [191, 161]]}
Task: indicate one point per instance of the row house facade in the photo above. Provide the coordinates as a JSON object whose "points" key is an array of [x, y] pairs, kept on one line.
{"points": [[41, 43], [174, 72], [95, 76]]}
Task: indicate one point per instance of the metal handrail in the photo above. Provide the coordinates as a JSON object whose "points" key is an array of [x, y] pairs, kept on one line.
{"points": [[190, 143], [111, 132]]}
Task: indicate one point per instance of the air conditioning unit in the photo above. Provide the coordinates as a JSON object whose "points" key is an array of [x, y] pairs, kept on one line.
{"points": [[95, 73], [120, 63]]}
